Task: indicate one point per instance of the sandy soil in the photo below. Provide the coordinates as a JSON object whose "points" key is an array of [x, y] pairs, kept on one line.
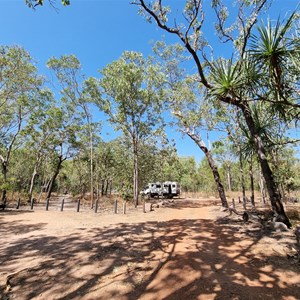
{"points": [[188, 249]]}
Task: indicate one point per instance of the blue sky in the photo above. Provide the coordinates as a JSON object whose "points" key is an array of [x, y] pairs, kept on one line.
{"points": [[96, 31]]}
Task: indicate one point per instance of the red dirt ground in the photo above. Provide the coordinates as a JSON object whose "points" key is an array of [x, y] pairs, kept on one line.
{"points": [[189, 249]]}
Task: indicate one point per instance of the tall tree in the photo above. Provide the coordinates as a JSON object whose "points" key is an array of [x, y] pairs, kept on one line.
{"points": [[19, 85], [65, 125], [128, 92], [38, 135], [236, 81], [67, 69], [187, 105]]}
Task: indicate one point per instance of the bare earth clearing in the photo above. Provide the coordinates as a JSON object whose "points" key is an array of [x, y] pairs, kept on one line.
{"points": [[187, 250]]}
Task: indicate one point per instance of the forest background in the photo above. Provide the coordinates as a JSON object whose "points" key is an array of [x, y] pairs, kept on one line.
{"points": [[62, 128]]}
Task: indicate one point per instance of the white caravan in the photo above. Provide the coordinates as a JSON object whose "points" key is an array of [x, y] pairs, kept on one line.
{"points": [[167, 189]]}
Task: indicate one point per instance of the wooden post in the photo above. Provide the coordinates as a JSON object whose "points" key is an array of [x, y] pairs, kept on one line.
{"points": [[233, 203], [239, 199], [116, 207], [18, 203], [78, 205], [96, 205], [31, 203], [144, 206], [62, 204], [47, 203], [124, 207]]}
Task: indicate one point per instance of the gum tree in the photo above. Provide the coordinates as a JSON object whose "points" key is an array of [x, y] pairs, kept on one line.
{"points": [[191, 113], [67, 70], [19, 98], [128, 93], [257, 71]]}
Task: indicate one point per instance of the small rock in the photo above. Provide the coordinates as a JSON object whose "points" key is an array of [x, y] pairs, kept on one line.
{"points": [[279, 227]]}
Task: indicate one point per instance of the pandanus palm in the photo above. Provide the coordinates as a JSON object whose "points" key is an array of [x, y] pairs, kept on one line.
{"points": [[242, 84], [275, 51]]}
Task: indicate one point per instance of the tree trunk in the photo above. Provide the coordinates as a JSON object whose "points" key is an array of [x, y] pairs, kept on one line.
{"points": [[135, 177], [212, 166], [251, 181], [4, 172], [51, 185], [106, 187], [228, 177], [91, 170], [242, 180], [33, 176], [272, 188], [102, 187], [261, 187], [110, 187]]}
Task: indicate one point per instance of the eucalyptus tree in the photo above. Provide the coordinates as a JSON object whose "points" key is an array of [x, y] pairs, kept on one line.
{"points": [[106, 168], [225, 156], [128, 93], [52, 134], [67, 69], [35, 3], [66, 124], [38, 135], [266, 73], [19, 98], [191, 113]]}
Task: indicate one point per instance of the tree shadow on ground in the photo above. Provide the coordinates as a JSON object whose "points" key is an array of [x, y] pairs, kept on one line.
{"points": [[153, 260]]}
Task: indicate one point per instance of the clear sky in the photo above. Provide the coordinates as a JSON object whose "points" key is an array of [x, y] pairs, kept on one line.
{"points": [[96, 31]]}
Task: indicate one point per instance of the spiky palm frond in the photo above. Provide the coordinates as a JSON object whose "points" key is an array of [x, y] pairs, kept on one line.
{"points": [[226, 78], [272, 49]]}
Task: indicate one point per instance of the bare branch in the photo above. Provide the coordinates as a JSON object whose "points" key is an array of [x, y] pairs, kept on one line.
{"points": [[247, 29], [177, 32]]}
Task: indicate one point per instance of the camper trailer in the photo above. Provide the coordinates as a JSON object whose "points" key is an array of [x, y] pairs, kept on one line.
{"points": [[167, 189], [171, 189]]}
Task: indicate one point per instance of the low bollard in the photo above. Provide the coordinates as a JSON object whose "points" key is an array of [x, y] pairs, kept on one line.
{"points": [[47, 203], [62, 204], [124, 208], [233, 203], [31, 203], [96, 206], [18, 203], [78, 205], [144, 206]]}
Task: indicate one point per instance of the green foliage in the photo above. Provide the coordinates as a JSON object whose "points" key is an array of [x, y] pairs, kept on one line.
{"points": [[35, 3]]}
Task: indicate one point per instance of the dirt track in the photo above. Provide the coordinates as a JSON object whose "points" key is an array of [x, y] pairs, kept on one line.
{"points": [[188, 250]]}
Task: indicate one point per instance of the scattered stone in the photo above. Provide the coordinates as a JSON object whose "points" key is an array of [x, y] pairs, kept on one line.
{"points": [[279, 226], [245, 217]]}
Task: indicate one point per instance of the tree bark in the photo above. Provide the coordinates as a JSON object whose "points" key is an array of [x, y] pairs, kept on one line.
{"points": [[102, 187], [51, 185], [228, 171], [33, 176], [212, 166], [275, 197], [4, 172], [135, 175], [242, 180], [251, 181], [261, 187]]}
